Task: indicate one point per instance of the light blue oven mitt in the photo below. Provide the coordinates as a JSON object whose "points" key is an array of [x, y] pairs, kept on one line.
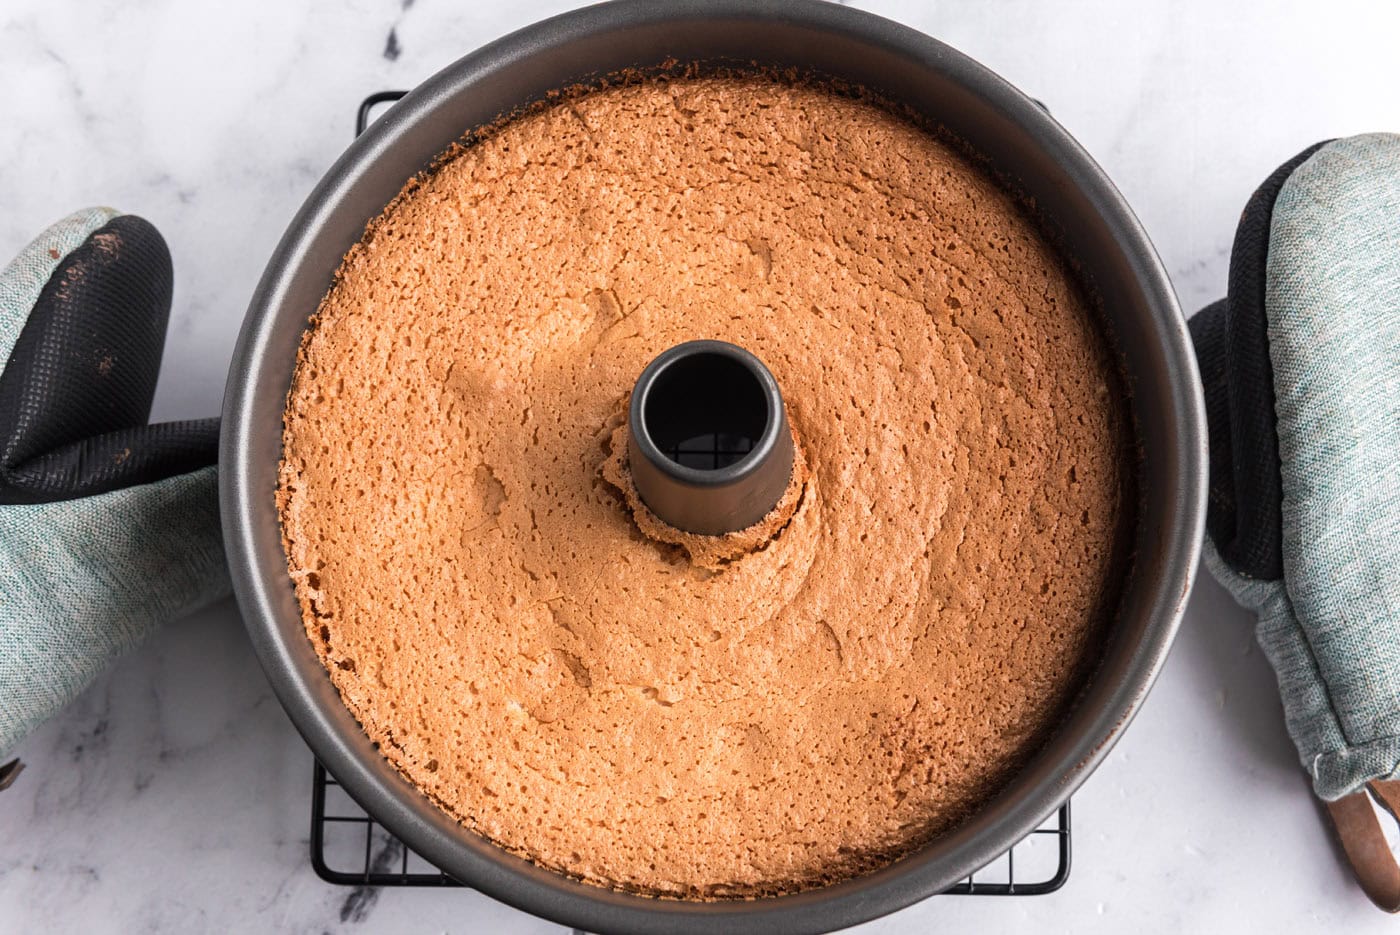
{"points": [[108, 526], [1301, 365]]}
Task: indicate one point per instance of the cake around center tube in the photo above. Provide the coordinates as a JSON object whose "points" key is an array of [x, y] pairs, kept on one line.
{"points": [[710, 455], [616, 696]]}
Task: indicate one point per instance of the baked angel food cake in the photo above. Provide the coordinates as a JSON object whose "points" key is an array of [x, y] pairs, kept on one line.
{"points": [[706, 717]]}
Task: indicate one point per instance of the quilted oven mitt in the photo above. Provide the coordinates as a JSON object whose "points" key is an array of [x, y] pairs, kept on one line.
{"points": [[1301, 365], [108, 526]]}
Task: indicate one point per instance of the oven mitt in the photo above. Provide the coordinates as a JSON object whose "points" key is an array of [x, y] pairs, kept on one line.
{"points": [[108, 526], [1301, 366]]}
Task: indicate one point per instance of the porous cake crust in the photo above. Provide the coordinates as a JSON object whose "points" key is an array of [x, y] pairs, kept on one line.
{"points": [[800, 702]]}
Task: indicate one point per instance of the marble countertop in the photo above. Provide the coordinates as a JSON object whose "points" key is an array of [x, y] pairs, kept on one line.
{"points": [[174, 795]]}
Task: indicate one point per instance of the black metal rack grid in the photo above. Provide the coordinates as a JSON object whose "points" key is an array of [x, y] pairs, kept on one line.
{"points": [[710, 452], [350, 848]]}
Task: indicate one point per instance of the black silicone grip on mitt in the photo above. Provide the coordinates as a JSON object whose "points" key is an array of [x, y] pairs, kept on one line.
{"points": [[75, 394], [1231, 337]]}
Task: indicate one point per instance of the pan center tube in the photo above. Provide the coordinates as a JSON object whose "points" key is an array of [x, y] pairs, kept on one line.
{"points": [[709, 446]]}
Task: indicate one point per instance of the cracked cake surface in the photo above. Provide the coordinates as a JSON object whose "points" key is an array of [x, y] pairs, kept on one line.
{"points": [[805, 700]]}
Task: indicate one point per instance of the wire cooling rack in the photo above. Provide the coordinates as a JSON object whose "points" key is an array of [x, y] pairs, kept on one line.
{"points": [[350, 848]]}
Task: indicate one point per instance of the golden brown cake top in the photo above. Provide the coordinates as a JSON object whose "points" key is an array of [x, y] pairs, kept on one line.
{"points": [[638, 708]]}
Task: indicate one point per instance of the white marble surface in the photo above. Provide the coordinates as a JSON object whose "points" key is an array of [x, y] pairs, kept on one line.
{"points": [[173, 796]]}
